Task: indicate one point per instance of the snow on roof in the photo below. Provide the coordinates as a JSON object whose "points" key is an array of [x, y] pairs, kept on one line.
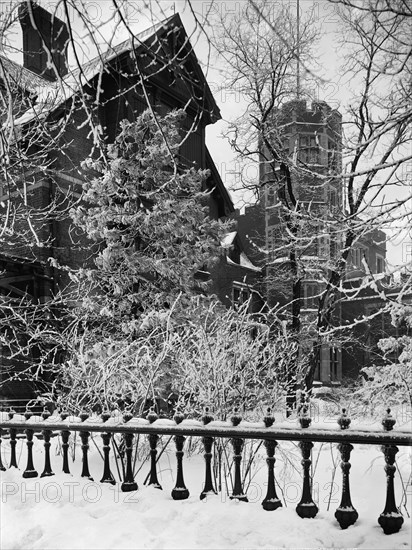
{"points": [[52, 94], [95, 65], [281, 260], [228, 239], [245, 262]]}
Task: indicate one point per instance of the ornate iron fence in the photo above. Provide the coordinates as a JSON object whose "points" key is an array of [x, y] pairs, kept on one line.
{"points": [[236, 431]]}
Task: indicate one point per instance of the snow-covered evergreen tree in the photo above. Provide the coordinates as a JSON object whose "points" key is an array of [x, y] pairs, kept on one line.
{"points": [[148, 219]]}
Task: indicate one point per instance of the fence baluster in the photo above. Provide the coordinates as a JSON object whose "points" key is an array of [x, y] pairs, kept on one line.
{"points": [[237, 444], [107, 474], [84, 436], [153, 439], [29, 471], [391, 519], [47, 466], [129, 483], [271, 501], [306, 507], [346, 513], [46, 436], [13, 442], [65, 446], [208, 487], [180, 491], [2, 467], [208, 446]]}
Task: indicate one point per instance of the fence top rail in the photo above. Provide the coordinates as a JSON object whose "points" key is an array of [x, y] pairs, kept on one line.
{"points": [[191, 427]]}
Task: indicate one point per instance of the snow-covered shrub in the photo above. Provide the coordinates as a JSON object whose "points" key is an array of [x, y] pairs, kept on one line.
{"points": [[210, 357], [229, 359], [391, 383]]}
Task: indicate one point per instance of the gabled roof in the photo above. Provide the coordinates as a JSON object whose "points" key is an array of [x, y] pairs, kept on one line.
{"points": [[50, 95], [95, 65]]}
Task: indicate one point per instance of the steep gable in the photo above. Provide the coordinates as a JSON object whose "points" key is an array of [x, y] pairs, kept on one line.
{"points": [[162, 47]]}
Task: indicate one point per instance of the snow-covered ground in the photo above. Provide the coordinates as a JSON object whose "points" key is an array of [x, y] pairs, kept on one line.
{"points": [[67, 511]]}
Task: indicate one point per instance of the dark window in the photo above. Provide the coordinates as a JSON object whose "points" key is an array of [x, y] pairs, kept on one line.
{"points": [[334, 363], [380, 264], [308, 149]]}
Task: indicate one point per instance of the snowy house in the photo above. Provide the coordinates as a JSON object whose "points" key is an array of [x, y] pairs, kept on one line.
{"points": [[66, 111]]}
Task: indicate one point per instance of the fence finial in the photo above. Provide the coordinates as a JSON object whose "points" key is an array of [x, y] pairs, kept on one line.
{"points": [[388, 421], [304, 418], [178, 416], [269, 419], [152, 416], [83, 415], [207, 417], [105, 415], [236, 418], [127, 416], [344, 420]]}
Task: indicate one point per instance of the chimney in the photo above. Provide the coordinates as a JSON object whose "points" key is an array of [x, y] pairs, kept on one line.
{"points": [[41, 32]]}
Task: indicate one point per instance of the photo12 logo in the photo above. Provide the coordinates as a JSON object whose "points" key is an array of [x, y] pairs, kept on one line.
{"points": [[96, 13], [221, 9], [68, 491], [325, 12]]}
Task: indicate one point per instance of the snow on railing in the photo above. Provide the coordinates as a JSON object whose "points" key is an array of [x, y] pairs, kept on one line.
{"points": [[236, 431]]}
